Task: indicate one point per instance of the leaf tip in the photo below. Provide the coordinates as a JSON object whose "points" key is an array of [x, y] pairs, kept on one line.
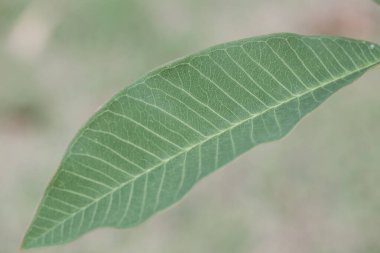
{"points": [[28, 241]]}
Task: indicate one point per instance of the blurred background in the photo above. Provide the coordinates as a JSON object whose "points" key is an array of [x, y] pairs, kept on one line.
{"points": [[317, 190]]}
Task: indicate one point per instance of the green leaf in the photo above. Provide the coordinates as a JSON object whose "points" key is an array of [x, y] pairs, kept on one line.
{"points": [[377, 1], [146, 147]]}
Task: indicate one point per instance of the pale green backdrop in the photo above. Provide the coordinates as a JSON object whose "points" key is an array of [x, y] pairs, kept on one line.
{"points": [[317, 190]]}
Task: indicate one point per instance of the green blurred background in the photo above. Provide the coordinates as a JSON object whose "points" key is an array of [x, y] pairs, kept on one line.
{"points": [[317, 190]]}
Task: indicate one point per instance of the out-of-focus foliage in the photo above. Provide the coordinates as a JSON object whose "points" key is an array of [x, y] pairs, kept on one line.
{"points": [[54, 60]]}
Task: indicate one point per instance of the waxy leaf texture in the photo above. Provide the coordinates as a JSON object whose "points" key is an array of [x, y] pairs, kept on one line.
{"points": [[145, 148]]}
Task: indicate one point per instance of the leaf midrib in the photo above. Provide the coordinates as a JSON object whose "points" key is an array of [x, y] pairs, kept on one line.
{"points": [[183, 151]]}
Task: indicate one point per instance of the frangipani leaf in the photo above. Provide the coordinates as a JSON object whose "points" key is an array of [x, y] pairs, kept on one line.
{"points": [[146, 147]]}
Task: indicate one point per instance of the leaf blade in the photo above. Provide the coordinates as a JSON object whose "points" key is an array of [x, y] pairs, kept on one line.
{"points": [[146, 147]]}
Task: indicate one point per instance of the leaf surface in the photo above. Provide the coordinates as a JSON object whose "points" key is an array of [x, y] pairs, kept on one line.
{"points": [[146, 147]]}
